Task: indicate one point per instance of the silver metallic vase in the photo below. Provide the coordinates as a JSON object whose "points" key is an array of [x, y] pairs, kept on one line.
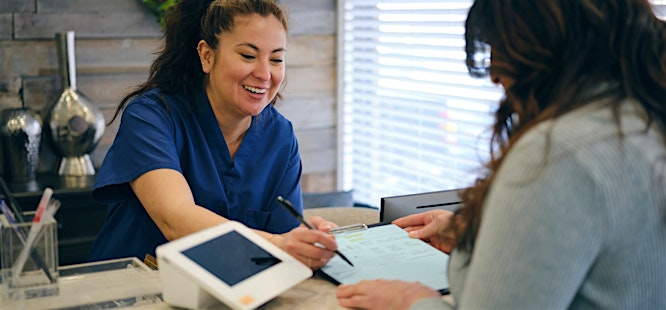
{"points": [[20, 133], [73, 122]]}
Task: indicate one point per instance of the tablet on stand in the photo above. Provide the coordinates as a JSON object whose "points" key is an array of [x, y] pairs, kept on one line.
{"points": [[228, 263]]}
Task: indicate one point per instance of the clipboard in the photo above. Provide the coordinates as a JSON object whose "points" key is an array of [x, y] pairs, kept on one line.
{"points": [[385, 251]]}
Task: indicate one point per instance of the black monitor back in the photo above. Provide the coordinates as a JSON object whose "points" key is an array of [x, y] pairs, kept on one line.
{"points": [[394, 207]]}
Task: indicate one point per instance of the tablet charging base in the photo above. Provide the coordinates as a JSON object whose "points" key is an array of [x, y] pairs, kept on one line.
{"points": [[199, 270], [180, 291]]}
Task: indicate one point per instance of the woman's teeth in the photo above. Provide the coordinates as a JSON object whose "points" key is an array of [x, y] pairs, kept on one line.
{"points": [[255, 90]]}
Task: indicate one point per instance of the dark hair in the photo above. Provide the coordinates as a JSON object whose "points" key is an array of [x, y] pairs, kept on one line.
{"points": [[556, 51], [177, 68]]}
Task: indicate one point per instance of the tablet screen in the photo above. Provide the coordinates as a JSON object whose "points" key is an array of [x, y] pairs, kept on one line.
{"points": [[231, 257]]}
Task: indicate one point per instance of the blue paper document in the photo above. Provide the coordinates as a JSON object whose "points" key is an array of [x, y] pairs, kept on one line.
{"points": [[387, 252]]}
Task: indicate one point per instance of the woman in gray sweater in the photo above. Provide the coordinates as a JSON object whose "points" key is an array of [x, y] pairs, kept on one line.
{"points": [[571, 211]]}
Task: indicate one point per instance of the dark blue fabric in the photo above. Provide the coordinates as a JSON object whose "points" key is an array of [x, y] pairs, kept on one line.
{"points": [[244, 189]]}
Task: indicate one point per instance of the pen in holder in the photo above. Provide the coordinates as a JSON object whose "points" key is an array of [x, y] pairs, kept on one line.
{"points": [[33, 271]]}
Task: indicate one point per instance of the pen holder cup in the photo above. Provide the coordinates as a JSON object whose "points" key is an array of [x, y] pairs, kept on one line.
{"points": [[39, 275]]}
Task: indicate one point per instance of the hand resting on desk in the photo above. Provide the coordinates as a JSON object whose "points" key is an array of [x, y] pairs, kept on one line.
{"points": [[383, 294]]}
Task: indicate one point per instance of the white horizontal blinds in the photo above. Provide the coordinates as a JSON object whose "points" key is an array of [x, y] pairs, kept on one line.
{"points": [[412, 117]]}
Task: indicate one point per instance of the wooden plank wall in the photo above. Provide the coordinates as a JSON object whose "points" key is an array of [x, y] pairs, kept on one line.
{"points": [[115, 42]]}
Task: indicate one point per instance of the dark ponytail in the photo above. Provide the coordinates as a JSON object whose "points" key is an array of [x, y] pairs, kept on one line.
{"points": [[176, 68]]}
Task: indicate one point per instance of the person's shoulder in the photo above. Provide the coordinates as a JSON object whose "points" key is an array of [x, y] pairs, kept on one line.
{"points": [[582, 126], [598, 130], [600, 121], [152, 97], [156, 99], [271, 115]]}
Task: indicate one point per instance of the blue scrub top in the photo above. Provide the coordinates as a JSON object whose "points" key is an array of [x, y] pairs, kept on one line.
{"points": [[267, 164]]}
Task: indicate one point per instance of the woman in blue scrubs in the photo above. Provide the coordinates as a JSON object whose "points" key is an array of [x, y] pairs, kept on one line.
{"points": [[200, 142]]}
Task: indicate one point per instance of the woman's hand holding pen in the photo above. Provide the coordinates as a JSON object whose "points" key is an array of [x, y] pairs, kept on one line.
{"points": [[321, 224], [312, 247], [427, 227]]}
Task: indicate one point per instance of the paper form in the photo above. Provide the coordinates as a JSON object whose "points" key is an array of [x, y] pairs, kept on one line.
{"points": [[387, 252]]}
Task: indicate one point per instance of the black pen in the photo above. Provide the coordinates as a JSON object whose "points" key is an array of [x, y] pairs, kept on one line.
{"points": [[292, 210], [11, 201]]}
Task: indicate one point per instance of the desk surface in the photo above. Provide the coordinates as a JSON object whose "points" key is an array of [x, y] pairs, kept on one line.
{"points": [[310, 294], [130, 283]]}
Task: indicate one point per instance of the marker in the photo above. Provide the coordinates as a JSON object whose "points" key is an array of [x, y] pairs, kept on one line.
{"points": [[292, 210]]}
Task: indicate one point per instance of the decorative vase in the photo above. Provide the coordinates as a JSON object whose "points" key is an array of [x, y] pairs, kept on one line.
{"points": [[74, 124], [21, 132]]}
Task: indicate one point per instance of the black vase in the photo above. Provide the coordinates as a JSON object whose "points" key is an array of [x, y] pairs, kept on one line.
{"points": [[21, 133]]}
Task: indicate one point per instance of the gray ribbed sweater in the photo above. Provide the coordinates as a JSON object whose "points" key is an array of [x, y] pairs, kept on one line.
{"points": [[581, 225]]}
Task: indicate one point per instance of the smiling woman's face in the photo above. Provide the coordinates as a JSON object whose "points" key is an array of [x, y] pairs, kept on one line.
{"points": [[247, 70]]}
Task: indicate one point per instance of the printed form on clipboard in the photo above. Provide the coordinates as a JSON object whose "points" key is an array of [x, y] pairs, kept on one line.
{"points": [[385, 251]]}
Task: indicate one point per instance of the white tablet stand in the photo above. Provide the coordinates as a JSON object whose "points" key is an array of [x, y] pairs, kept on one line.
{"points": [[228, 263]]}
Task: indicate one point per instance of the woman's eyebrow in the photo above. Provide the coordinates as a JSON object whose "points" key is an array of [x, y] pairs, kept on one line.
{"points": [[254, 47]]}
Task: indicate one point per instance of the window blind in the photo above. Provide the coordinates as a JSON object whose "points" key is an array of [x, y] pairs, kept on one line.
{"points": [[411, 119]]}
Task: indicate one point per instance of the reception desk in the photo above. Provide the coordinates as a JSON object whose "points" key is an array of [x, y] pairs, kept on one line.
{"points": [[128, 283]]}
